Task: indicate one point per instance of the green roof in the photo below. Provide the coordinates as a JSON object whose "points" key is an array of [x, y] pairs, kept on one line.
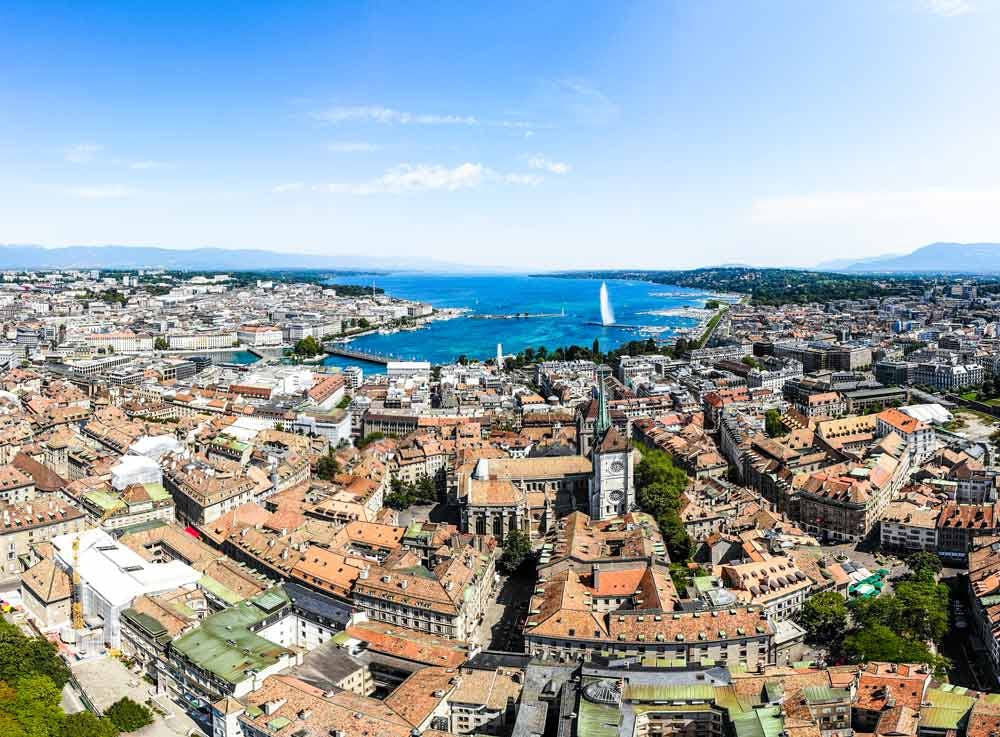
{"points": [[948, 707], [820, 694], [669, 692], [150, 524], [150, 624], [934, 717], [727, 698], [224, 645], [223, 592], [231, 443], [103, 499], [762, 722], [278, 723], [156, 492], [597, 720]]}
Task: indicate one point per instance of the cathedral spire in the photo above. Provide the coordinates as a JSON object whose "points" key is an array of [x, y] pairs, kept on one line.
{"points": [[603, 423]]}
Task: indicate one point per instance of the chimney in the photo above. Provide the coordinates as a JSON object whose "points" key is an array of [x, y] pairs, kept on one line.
{"points": [[596, 575]]}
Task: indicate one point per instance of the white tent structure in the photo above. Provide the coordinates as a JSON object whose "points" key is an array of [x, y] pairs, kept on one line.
{"points": [[113, 576], [135, 470], [933, 413]]}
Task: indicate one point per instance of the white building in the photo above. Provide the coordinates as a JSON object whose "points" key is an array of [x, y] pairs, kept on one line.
{"points": [[259, 335], [201, 341], [113, 576], [408, 368], [919, 436], [123, 342]]}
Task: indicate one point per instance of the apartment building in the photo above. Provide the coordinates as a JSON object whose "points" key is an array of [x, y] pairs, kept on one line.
{"points": [[120, 342]]}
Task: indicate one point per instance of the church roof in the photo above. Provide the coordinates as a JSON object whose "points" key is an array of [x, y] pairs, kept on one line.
{"points": [[614, 442]]}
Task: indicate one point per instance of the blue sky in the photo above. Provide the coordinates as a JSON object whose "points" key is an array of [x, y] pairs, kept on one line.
{"points": [[528, 135]]}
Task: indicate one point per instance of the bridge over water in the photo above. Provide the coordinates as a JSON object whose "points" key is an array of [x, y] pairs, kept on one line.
{"points": [[341, 349]]}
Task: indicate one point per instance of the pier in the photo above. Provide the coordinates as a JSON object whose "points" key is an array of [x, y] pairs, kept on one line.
{"points": [[517, 316], [615, 325]]}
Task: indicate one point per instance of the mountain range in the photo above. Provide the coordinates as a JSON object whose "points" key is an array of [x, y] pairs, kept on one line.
{"points": [[16, 256], [953, 258]]}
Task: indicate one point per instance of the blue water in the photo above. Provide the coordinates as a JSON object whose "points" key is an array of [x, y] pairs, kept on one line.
{"points": [[444, 341]]}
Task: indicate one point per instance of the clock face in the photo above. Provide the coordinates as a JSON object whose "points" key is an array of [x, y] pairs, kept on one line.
{"points": [[616, 496], [617, 467]]}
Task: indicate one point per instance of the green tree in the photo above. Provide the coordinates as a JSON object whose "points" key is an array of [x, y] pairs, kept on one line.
{"points": [[923, 566], [516, 550], [327, 467], [86, 724], [369, 439], [659, 484], [880, 642], [22, 655], [128, 715], [917, 610], [308, 347], [33, 704], [161, 343], [773, 425], [364, 324], [825, 618], [596, 349]]}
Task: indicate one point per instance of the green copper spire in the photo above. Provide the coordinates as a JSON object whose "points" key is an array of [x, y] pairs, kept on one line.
{"points": [[603, 423]]}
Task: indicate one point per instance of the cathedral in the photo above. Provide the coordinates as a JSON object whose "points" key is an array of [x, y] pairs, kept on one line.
{"points": [[612, 488]]}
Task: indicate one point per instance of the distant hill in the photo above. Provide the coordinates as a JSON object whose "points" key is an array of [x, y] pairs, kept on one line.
{"points": [[197, 259], [961, 258]]}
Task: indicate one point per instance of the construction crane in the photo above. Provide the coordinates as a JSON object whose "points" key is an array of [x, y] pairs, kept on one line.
{"points": [[77, 602], [78, 623]]}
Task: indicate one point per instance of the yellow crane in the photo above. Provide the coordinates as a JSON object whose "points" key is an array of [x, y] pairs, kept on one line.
{"points": [[77, 606]]}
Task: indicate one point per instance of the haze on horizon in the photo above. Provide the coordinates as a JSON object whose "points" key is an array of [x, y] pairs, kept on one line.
{"points": [[532, 136]]}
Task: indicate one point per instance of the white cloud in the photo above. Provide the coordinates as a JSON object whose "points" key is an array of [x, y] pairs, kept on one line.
{"points": [[105, 192], [82, 153], [380, 114], [554, 167], [288, 187], [352, 147], [390, 116], [418, 177], [940, 206], [432, 178], [948, 8]]}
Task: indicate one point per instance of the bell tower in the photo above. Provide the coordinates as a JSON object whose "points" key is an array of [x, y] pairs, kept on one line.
{"points": [[612, 488]]}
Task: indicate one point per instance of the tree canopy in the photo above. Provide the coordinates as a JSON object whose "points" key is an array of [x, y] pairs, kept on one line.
{"points": [[32, 675], [825, 618], [516, 550], [403, 495], [129, 715], [307, 347], [327, 466], [659, 485]]}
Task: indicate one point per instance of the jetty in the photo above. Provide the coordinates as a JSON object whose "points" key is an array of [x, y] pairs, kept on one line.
{"points": [[517, 315], [615, 325]]}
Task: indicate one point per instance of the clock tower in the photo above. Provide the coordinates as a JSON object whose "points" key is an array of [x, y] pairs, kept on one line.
{"points": [[612, 490]]}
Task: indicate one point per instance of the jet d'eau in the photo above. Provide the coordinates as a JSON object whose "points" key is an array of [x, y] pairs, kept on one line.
{"points": [[607, 311]]}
